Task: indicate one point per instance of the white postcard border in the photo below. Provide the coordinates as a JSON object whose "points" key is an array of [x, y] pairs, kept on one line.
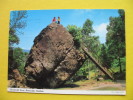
{"points": [[52, 91]]}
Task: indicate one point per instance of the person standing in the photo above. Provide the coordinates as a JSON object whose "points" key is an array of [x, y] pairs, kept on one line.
{"points": [[54, 20], [58, 20]]}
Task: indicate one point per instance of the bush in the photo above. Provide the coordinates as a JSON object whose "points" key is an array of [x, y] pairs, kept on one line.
{"points": [[76, 33]]}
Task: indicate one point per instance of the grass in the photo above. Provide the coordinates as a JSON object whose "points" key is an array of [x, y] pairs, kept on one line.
{"points": [[107, 88], [82, 82]]}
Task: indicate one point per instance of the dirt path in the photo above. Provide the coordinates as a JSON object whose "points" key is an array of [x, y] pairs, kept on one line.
{"points": [[96, 85]]}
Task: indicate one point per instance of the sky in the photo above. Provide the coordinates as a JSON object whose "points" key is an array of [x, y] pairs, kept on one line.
{"points": [[39, 19]]}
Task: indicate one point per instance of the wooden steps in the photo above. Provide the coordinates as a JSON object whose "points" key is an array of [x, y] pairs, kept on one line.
{"points": [[103, 69]]}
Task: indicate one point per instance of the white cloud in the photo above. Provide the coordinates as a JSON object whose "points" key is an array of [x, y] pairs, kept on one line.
{"points": [[100, 30]]}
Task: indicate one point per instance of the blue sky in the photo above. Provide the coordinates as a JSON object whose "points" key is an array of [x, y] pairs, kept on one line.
{"points": [[39, 19]]}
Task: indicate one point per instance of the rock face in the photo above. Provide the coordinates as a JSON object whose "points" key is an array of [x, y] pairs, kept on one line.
{"points": [[53, 58], [17, 80]]}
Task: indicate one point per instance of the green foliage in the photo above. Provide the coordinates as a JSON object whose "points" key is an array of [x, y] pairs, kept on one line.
{"points": [[84, 36], [104, 58], [92, 74], [76, 33], [19, 59], [17, 22], [115, 41], [93, 44], [87, 27], [111, 54], [16, 55], [13, 38], [84, 70], [115, 64], [89, 40]]}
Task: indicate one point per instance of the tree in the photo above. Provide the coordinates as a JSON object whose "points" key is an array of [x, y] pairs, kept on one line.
{"points": [[19, 59], [89, 40], [104, 56], [84, 36], [115, 39], [17, 22], [87, 28], [76, 33]]}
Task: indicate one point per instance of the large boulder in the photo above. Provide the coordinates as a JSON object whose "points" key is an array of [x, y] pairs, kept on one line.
{"points": [[53, 58]]}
